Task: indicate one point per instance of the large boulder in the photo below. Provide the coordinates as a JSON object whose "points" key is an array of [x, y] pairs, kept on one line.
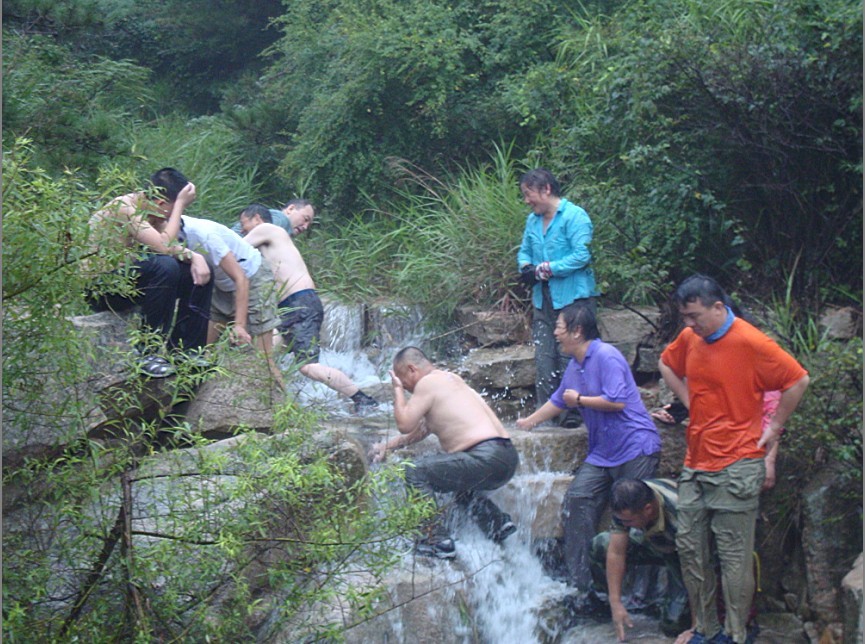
{"points": [[841, 323], [628, 328], [831, 540], [493, 328], [242, 394]]}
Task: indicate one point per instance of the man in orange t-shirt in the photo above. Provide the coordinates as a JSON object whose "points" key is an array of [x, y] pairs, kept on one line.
{"points": [[719, 366]]}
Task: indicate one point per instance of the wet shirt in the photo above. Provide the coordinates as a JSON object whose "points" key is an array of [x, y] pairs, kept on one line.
{"points": [[614, 437], [214, 241], [726, 382]]}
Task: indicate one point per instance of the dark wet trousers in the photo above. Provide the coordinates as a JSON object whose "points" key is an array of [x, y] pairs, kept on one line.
{"points": [[486, 466], [585, 502], [550, 363], [163, 284]]}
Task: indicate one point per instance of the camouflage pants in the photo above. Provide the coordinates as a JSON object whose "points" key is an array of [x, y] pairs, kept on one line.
{"points": [[675, 616]]}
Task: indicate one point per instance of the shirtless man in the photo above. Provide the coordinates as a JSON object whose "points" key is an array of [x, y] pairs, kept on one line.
{"points": [[478, 454], [165, 273], [300, 308]]}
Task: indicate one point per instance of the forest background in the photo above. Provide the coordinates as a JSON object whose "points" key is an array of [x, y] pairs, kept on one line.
{"points": [[700, 135]]}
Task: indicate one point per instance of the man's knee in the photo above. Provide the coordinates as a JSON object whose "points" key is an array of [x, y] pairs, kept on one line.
{"points": [[160, 269]]}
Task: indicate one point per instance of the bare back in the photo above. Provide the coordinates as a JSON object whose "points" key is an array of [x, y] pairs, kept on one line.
{"points": [[456, 413], [289, 269]]}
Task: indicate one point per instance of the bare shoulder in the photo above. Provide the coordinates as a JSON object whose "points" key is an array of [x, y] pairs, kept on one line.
{"points": [[266, 233]]}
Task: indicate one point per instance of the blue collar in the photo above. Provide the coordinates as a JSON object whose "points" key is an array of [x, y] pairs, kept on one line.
{"points": [[717, 335]]}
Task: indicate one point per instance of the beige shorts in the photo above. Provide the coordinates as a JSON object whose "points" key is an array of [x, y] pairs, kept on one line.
{"points": [[263, 315]]}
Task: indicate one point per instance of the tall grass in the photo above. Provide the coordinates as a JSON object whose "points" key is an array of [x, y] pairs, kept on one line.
{"points": [[436, 243]]}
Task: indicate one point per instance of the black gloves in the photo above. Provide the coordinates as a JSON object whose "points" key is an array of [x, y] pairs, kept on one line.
{"points": [[527, 275]]}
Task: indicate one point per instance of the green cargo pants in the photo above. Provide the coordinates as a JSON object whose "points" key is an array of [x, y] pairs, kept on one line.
{"points": [[720, 505]]}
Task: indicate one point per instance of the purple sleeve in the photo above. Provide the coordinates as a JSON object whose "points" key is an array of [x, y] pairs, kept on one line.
{"points": [[614, 377]]}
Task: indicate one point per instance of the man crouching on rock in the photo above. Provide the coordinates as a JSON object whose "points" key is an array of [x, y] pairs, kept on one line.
{"points": [[479, 453]]}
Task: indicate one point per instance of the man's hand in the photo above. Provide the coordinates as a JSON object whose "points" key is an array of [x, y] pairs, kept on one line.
{"points": [[187, 195], [770, 436], [570, 397], [621, 618], [240, 335], [200, 270], [395, 382], [524, 424], [378, 452]]}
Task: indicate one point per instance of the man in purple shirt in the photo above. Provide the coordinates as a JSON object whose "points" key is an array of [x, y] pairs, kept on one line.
{"points": [[623, 440]]}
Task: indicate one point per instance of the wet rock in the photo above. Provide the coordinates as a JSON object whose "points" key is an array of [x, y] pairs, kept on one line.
{"points": [[831, 539], [505, 368], [494, 328], [851, 603], [242, 394], [627, 328], [343, 327]]}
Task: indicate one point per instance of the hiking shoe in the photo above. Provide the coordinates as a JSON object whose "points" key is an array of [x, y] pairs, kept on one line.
{"points": [[572, 420], [441, 548], [363, 402], [155, 366], [507, 529]]}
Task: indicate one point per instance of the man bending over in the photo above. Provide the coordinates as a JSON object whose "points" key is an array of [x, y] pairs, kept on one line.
{"points": [[478, 456], [300, 308]]}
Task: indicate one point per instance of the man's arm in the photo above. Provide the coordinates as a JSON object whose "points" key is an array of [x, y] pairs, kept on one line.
{"points": [[241, 297], [162, 240], [261, 235], [677, 385], [402, 440], [617, 558], [408, 415], [786, 406]]}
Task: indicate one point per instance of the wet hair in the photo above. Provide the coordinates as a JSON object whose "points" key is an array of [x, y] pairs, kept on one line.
{"points": [[167, 183], [541, 178], [257, 209], [583, 317], [630, 494], [702, 288], [297, 203], [409, 355]]}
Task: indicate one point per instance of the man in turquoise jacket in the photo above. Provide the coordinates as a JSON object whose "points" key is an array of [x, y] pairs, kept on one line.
{"points": [[555, 260]]}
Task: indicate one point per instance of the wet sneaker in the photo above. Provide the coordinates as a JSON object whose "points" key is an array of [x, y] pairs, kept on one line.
{"points": [[155, 366], [441, 548], [363, 402], [504, 532]]}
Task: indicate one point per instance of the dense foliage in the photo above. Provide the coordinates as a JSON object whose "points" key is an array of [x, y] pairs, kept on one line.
{"points": [[699, 135]]}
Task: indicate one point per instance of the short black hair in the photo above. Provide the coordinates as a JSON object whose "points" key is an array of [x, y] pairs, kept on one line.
{"points": [[257, 209], [297, 203], [541, 178], [630, 494], [410, 355], [578, 315], [167, 183], [700, 287]]}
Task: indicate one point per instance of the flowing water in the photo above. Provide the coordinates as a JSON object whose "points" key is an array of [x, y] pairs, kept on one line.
{"points": [[510, 596]]}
